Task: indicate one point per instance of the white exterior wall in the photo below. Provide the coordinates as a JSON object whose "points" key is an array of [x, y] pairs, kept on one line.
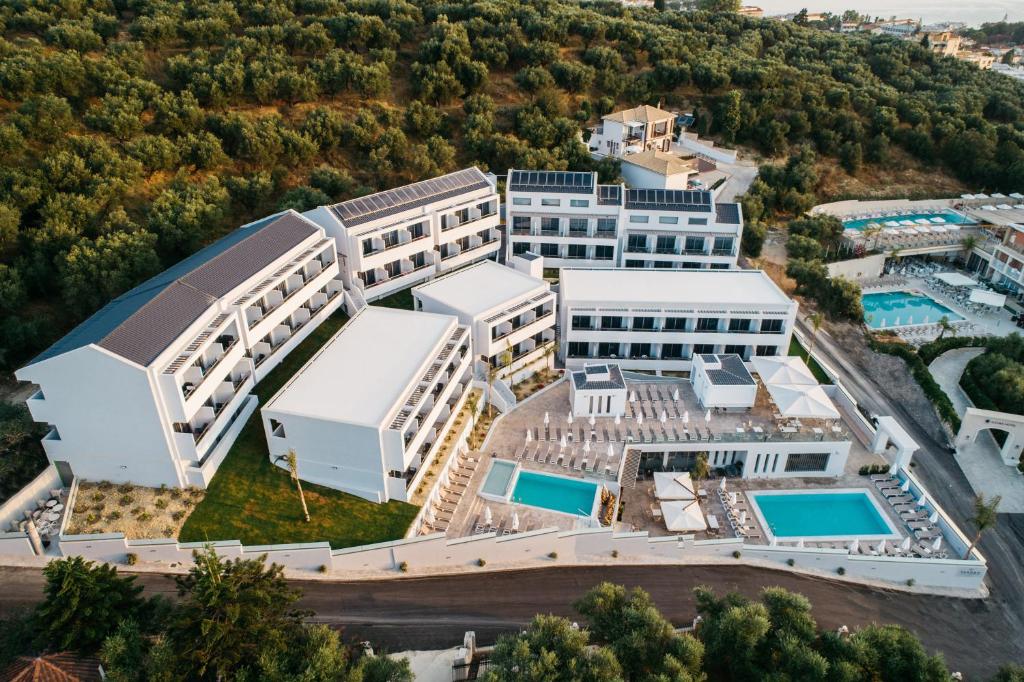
{"points": [[702, 226], [123, 422], [583, 399], [638, 176], [760, 459]]}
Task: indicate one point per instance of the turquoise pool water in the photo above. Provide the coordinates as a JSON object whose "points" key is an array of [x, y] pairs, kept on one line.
{"points": [[950, 217], [566, 495], [816, 515], [498, 478], [899, 308]]}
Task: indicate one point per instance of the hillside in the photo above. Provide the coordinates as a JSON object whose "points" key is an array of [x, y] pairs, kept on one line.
{"points": [[135, 131]]}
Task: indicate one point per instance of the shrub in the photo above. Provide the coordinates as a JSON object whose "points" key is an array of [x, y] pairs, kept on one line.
{"points": [[791, 562], [736, 554], [114, 515], [841, 570], [91, 519], [161, 504], [481, 562], [553, 555], [175, 493], [178, 515], [910, 582], [125, 488], [126, 500], [403, 566], [105, 485], [144, 516], [97, 497], [131, 558], [322, 568], [137, 510], [615, 553]]}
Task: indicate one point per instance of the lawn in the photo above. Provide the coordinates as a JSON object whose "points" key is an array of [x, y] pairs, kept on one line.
{"points": [[400, 299], [796, 349], [251, 500]]}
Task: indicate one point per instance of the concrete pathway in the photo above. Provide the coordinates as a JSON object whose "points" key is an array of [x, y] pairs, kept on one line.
{"points": [[980, 461]]}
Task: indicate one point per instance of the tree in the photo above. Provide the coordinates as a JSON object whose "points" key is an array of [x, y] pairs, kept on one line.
{"points": [[986, 513], [93, 272], [700, 470], [232, 613], [719, 5], [550, 650], [945, 326], [184, 212], [815, 319], [83, 604], [293, 470]]}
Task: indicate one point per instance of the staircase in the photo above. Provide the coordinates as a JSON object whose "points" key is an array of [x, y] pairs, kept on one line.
{"points": [[630, 468]]}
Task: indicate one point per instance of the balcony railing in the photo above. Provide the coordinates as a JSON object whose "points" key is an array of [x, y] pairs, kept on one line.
{"points": [[388, 247], [305, 280], [632, 248], [666, 250], [723, 252], [398, 276], [543, 316], [187, 391]]}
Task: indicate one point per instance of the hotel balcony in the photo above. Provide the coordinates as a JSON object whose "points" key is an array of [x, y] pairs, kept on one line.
{"points": [[267, 311], [470, 216], [478, 246], [195, 437]]}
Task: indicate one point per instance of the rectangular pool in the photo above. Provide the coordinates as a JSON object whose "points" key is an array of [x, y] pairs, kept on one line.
{"points": [[949, 217], [903, 308], [498, 478], [841, 515], [566, 495]]}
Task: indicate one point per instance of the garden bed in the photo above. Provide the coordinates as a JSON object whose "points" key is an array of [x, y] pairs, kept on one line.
{"points": [[137, 511]]}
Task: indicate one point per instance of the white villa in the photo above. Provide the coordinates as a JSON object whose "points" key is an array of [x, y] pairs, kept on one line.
{"points": [[154, 387], [660, 319], [634, 130], [659, 170], [510, 312], [368, 412], [397, 238], [572, 221]]}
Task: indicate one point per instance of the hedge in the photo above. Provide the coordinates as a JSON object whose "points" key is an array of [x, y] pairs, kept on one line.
{"points": [[918, 368], [929, 351]]}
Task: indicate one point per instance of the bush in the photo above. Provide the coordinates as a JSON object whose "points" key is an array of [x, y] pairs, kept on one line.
{"points": [[403, 566], [178, 515], [553, 555], [104, 485], [791, 562], [736, 554], [175, 493], [841, 570], [161, 504], [924, 378], [126, 500], [615, 553], [910, 582], [97, 497], [114, 516], [322, 568], [481, 562], [131, 558], [869, 469]]}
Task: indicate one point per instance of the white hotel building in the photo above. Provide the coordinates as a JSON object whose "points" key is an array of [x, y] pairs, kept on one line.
{"points": [[510, 312], [155, 386], [394, 239], [660, 319], [573, 221], [368, 413]]}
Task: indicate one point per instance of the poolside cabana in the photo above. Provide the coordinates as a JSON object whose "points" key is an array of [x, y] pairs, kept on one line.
{"points": [[673, 486], [683, 516], [955, 279], [783, 369], [802, 401]]}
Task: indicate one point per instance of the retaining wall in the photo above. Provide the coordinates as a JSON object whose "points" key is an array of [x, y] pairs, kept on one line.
{"points": [[25, 499]]}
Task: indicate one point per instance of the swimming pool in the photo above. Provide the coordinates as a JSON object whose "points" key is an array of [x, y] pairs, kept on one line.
{"points": [[903, 308], [949, 217], [557, 493], [837, 515], [498, 478]]}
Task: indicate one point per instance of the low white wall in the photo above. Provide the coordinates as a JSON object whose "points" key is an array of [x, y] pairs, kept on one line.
{"points": [[15, 544], [25, 499], [706, 147], [855, 269]]}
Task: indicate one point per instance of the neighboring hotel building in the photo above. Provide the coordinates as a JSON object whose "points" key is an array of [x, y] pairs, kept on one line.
{"points": [[659, 170], [660, 319], [634, 130], [574, 222], [370, 410], [393, 239], [154, 387], [510, 313]]}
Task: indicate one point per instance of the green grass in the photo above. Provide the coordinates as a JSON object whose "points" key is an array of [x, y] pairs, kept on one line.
{"points": [[251, 500], [796, 349], [400, 299]]}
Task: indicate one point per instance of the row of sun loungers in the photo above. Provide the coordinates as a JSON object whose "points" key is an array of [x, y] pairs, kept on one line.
{"points": [[570, 460], [735, 513], [443, 509], [914, 516], [503, 527]]}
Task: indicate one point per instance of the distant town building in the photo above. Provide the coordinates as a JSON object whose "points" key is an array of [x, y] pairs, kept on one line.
{"points": [[751, 11], [900, 28]]}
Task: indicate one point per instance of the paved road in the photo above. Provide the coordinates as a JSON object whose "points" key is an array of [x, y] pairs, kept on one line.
{"points": [[433, 613], [1002, 546]]}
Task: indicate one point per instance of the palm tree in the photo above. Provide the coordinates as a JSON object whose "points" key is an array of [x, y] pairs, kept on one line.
{"points": [[985, 516], [968, 242], [871, 232], [700, 469], [945, 326], [816, 319], [293, 468]]}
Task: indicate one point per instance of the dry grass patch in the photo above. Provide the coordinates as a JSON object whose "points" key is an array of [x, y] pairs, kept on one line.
{"points": [[137, 511]]}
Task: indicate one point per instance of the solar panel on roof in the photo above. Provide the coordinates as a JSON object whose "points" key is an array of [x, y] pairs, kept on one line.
{"points": [[694, 201], [551, 181], [392, 201]]}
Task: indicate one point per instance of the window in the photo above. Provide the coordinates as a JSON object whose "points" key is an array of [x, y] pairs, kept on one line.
{"points": [[519, 248], [521, 224], [703, 348], [719, 266], [723, 245], [604, 252], [765, 351], [697, 221], [418, 230], [668, 220], [577, 251], [582, 322], [521, 201], [671, 351], [606, 224], [549, 250], [578, 226], [579, 349], [707, 324], [395, 473], [276, 429], [548, 225], [675, 323], [690, 265], [607, 350], [771, 326], [807, 461], [639, 218], [612, 322], [666, 244], [368, 246], [550, 202], [634, 264], [640, 350], [664, 264], [694, 244], [736, 350], [637, 243], [643, 323], [579, 203], [739, 325]]}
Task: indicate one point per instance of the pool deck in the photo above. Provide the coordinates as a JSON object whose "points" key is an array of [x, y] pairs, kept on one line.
{"points": [[987, 323]]}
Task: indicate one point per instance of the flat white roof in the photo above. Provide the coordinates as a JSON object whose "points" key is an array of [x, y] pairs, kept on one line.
{"points": [[366, 368], [671, 287], [481, 287]]}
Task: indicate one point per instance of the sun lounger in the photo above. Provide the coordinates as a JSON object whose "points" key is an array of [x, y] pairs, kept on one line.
{"points": [[875, 478], [903, 499], [580, 466], [892, 492], [920, 525], [926, 534]]}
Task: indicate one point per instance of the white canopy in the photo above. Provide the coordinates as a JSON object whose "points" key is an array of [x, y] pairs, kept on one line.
{"points": [[673, 486], [955, 279], [783, 369], [988, 298], [802, 401], [683, 516]]}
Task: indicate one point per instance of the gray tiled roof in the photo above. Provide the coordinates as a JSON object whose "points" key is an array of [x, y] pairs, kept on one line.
{"points": [[139, 324], [393, 201], [727, 214], [732, 373], [581, 378]]}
